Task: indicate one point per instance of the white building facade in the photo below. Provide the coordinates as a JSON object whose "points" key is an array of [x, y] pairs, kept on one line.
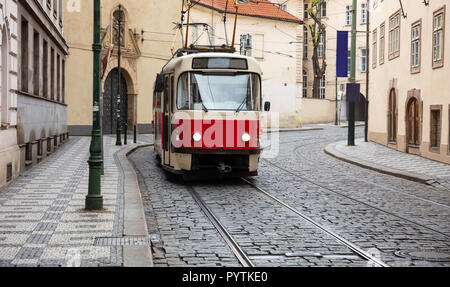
{"points": [[9, 150]]}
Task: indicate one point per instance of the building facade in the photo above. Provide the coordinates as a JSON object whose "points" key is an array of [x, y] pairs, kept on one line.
{"points": [[264, 32], [147, 39], [337, 16], [409, 91], [9, 150], [41, 118]]}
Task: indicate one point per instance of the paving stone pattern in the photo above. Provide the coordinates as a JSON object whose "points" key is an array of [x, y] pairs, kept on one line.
{"points": [[42, 217]]}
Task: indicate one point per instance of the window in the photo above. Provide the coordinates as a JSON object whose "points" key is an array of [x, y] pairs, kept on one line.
{"points": [[305, 42], [232, 91], [394, 36], [348, 15], [63, 81], [36, 63], [321, 48], [283, 6], [24, 52], [322, 87], [45, 69], [116, 28], [323, 9], [305, 11], [363, 60], [55, 7], [52, 76], [60, 13], [4, 78], [58, 77], [246, 45], [415, 47], [435, 137], [374, 48], [305, 84], [438, 38], [382, 43], [363, 13]]}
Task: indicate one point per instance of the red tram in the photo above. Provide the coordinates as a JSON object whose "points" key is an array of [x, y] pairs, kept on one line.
{"points": [[207, 107]]}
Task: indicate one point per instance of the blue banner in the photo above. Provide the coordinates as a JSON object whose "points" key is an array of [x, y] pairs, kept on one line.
{"points": [[342, 54]]}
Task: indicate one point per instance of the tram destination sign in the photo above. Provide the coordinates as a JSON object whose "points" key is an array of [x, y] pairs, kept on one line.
{"points": [[220, 63]]}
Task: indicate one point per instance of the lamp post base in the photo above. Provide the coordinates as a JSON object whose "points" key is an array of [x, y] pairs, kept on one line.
{"points": [[94, 202]]}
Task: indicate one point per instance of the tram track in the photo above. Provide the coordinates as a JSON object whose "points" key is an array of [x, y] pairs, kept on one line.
{"points": [[323, 187], [350, 245], [238, 251]]}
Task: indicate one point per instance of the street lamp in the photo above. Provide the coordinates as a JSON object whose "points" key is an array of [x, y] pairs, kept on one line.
{"points": [[94, 199]]}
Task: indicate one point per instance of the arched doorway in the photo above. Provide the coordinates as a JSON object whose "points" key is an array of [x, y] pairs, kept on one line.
{"points": [[413, 123], [392, 117], [109, 117]]}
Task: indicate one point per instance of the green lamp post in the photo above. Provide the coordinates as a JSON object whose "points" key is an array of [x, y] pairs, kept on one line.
{"points": [[94, 199]]}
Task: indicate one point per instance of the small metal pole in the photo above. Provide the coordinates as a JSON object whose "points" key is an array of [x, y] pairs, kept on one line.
{"points": [[336, 118], [366, 116], [135, 139], [125, 141]]}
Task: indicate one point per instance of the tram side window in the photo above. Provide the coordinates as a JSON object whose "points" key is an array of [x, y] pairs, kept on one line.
{"points": [[166, 94], [183, 93]]}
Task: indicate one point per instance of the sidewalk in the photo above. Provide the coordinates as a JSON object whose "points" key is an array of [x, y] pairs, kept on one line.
{"points": [[43, 221], [385, 160]]}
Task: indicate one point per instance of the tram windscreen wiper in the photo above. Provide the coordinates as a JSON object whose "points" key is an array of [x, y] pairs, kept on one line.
{"points": [[204, 107], [241, 105]]}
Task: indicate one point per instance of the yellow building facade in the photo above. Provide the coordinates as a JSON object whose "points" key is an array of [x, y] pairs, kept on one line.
{"points": [[147, 36], [409, 78]]}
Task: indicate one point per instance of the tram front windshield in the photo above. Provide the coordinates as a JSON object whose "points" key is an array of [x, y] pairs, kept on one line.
{"points": [[207, 91]]}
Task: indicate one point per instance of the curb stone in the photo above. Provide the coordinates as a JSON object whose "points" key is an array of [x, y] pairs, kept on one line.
{"points": [[331, 151], [134, 216]]}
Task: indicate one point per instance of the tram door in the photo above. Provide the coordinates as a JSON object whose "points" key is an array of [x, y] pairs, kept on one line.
{"points": [[167, 119]]}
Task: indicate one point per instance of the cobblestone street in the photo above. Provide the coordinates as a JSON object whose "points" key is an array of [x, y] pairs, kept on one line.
{"points": [[400, 222]]}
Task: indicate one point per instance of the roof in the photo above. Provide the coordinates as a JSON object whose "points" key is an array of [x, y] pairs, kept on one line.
{"points": [[255, 8]]}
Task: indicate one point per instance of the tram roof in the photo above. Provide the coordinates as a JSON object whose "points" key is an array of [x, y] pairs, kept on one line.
{"points": [[185, 62]]}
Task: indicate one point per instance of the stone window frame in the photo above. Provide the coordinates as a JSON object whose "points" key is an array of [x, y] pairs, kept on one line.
{"points": [[305, 42], [433, 108], [323, 44], [395, 54], [374, 48], [417, 69], [439, 63], [305, 83], [363, 60], [382, 44]]}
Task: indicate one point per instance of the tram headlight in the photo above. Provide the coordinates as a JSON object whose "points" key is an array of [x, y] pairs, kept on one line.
{"points": [[245, 137], [197, 137]]}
